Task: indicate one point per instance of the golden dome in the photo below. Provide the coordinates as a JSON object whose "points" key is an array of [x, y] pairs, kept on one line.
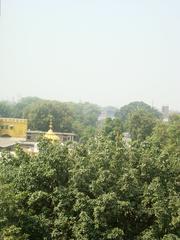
{"points": [[50, 134]]}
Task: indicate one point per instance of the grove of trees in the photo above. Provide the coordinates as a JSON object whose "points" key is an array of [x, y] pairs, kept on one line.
{"points": [[126, 111], [80, 118], [100, 189]]}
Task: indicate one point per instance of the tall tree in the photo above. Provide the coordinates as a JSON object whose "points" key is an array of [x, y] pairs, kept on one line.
{"points": [[132, 107], [140, 125], [5, 109]]}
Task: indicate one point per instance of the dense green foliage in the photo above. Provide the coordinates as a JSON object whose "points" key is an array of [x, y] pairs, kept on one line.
{"points": [[5, 109], [126, 111], [112, 128], [102, 189], [80, 118], [140, 124]]}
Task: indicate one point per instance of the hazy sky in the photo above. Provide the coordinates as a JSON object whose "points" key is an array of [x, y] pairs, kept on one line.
{"points": [[108, 52]]}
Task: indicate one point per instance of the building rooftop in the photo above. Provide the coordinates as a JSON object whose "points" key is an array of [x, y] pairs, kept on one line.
{"points": [[43, 132], [13, 119], [10, 141]]}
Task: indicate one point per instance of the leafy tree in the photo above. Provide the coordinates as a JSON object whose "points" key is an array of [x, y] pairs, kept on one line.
{"points": [[13, 233], [38, 114], [80, 118], [19, 108], [140, 125], [101, 189], [5, 109], [112, 128], [132, 107]]}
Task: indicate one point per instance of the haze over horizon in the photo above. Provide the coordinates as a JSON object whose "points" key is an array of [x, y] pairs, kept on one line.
{"points": [[100, 51]]}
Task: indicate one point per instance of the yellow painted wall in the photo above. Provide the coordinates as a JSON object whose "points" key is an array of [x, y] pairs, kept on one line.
{"points": [[13, 127]]}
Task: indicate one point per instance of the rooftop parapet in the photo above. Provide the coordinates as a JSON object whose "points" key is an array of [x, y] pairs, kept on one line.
{"points": [[15, 120]]}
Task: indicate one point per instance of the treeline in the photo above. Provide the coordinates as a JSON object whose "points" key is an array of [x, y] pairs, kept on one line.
{"points": [[80, 118], [98, 190]]}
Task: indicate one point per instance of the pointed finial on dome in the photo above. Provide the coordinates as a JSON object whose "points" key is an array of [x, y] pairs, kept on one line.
{"points": [[50, 123], [50, 134]]}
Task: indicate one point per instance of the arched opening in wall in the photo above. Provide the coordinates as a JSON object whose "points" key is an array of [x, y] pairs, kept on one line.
{"points": [[5, 135]]}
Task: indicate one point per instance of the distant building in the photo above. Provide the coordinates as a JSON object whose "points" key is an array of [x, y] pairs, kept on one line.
{"points": [[14, 131], [9, 143], [106, 114], [165, 112], [51, 135], [13, 127], [103, 115], [62, 137]]}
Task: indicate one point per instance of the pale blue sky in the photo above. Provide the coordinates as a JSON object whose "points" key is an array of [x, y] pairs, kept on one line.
{"points": [[108, 52]]}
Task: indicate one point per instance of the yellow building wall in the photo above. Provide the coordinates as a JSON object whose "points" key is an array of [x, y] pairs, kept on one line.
{"points": [[13, 127]]}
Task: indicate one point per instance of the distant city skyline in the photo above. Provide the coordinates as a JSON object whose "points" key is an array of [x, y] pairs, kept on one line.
{"points": [[105, 52]]}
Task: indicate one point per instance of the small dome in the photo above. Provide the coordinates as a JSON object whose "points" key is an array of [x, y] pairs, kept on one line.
{"points": [[50, 134]]}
